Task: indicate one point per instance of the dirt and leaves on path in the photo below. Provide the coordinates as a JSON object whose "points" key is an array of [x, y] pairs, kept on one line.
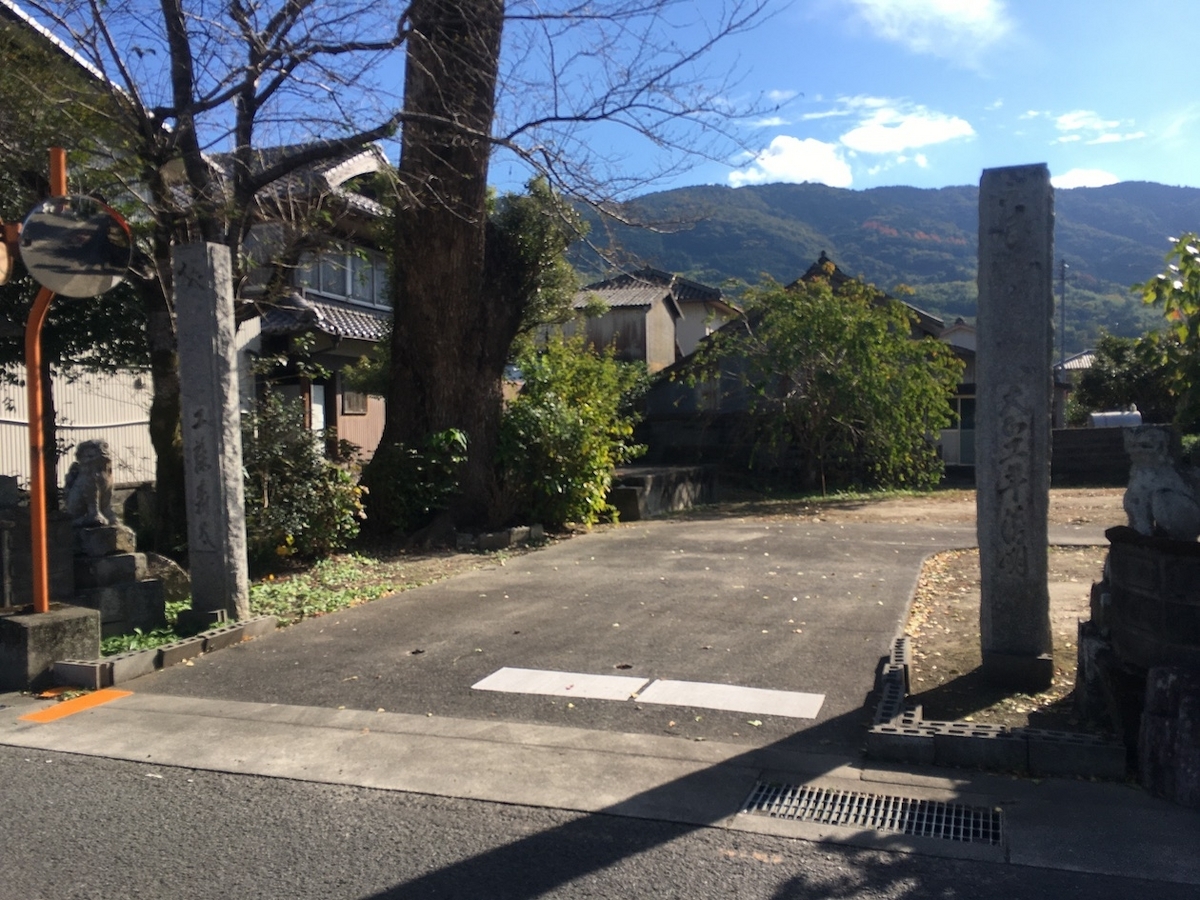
{"points": [[944, 625]]}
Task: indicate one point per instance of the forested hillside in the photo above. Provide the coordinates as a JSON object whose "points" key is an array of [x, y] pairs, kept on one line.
{"points": [[1110, 238]]}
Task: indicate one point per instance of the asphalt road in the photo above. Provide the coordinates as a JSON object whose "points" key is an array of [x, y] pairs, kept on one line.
{"points": [[792, 606], [82, 828]]}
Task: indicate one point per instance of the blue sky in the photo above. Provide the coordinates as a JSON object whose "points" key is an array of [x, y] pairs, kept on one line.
{"points": [[930, 92], [865, 93]]}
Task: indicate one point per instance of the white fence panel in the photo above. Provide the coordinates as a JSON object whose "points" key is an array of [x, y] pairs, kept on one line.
{"points": [[114, 407]]}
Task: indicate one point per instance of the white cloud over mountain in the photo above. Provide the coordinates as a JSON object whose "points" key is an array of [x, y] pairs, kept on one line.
{"points": [[1077, 178], [894, 128], [886, 129], [794, 160]]}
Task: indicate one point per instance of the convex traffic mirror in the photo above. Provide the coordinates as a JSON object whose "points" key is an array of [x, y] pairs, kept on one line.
{"points": [[76, 246]]}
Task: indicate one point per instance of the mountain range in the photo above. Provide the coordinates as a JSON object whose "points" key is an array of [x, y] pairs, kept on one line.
{"points": [[926, 239]]}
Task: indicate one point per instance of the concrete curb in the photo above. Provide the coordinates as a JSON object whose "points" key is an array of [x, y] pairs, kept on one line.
{"points": [[94, 674], [900, 734]]}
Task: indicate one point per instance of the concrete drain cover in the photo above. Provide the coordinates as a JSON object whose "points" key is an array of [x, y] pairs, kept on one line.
{"points": [[900, 815]]}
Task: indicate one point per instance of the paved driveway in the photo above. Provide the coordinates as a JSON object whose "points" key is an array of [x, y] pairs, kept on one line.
{"points": [[796, 606]]}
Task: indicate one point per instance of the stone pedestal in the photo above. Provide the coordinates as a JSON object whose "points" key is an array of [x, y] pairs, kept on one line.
{"points": [[16, 579], [30, 644], [111, 579], [1169, 739], [1016, 307]]}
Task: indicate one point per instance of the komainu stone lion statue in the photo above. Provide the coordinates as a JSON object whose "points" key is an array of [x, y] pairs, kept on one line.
{"points": [[1161, 498], [89, 486]]}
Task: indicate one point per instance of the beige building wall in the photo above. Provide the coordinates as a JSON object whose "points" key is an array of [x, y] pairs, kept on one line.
{"points": [[660, 337], [699, 320]]}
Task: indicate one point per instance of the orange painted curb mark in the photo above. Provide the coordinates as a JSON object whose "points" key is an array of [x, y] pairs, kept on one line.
{"points": [[78, 704]]}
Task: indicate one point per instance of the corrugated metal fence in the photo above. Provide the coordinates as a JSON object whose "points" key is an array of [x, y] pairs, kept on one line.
{"points": [[114, 407]]}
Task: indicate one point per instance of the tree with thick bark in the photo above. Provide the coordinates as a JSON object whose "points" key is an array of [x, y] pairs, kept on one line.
{"points": [[571, 76]]}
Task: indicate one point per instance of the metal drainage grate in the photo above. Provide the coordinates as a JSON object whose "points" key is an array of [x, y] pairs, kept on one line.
{"points": [[901, 815]]}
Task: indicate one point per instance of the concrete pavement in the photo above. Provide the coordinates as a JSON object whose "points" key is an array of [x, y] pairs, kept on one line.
{"points": [[795, 606]]}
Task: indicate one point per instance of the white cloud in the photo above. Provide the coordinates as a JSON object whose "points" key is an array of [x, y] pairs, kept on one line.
{"points": [[952, 29], [794, 160], [782, 96], [770, 122], [899, 127], [1092, 128], [1083, 120], [1077, 178], [827, 114], [1117, 138]]}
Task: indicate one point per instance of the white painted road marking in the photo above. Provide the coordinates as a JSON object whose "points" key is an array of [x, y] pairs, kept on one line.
{"points": [[561, 684], [732, 698], [699, 694]]}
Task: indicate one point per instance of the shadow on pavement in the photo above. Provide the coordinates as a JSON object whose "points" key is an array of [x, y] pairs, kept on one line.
{"points": [[537, 865]]}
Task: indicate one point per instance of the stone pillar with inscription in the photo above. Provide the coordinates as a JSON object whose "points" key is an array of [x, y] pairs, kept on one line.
{"points": [[1012, 473], [212, 433]]}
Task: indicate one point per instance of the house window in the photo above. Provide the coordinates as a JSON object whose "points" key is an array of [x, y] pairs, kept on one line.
{"points": [[357, 275], [354, 403]]}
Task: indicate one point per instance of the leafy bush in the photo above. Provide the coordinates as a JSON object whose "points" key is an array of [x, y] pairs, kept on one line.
{"points": [[842, 393], [568, 428], [1128, 372], [415, 483], [297, 501]]}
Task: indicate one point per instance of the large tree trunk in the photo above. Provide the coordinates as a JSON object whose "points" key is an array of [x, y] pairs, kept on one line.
{"points": [[451, 336], [169, 535]]}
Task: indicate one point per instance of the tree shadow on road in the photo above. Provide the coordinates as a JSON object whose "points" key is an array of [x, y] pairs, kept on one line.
{"points": [[542, 863]]}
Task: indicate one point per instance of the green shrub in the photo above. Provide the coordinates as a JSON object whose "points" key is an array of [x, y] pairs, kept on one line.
{"points": [[566, 431], [415, 483], [297, 501]]}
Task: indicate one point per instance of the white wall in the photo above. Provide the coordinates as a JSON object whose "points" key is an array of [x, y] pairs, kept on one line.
{"points": [[112, 407]]}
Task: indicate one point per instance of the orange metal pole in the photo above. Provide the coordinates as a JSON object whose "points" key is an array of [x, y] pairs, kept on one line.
{"points": [[37, 458], [33, 381]]}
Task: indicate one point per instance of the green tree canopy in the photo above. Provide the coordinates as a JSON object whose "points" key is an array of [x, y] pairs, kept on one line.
{"points": [[1177, 291], [839, 385], [1129, 372]]}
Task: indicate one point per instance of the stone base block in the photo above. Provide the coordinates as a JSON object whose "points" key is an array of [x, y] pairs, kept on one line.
{"points": [[120, 568], [105, 541], [124, 607], [30, 644], [1169, 738], [1030, 674]]}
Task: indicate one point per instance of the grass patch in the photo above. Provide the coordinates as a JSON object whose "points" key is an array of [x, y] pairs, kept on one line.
{"points": [[146, 640], [339, 582]]}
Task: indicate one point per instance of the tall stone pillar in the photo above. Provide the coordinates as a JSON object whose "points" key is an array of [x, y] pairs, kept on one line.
{"points": [[1012, 473], [212, 432]]}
